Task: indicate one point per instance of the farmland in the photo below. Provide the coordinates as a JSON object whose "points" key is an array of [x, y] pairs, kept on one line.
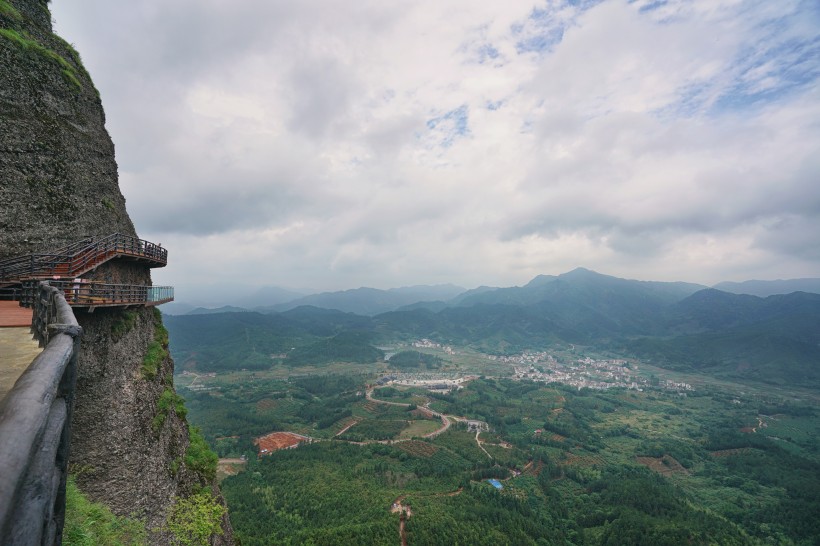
{"points": [[727, 465]]}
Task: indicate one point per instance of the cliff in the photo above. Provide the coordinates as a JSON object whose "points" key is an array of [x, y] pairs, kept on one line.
{"points": [[131, 448]]}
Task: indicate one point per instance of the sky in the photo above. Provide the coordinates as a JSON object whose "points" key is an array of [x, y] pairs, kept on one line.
{"points": [[326, 145]]}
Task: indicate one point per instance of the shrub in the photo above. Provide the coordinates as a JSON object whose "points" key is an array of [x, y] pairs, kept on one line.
{"points": [[157, 349], [167, 400], [89, 523], [123, 324], [199, 457], [193, 520]]}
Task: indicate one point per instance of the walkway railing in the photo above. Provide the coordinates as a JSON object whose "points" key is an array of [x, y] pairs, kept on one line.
{"points": [[80, 293], [35, 428], [81, 257]]}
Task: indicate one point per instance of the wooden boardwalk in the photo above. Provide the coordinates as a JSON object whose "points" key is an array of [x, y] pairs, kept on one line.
{"points": [[14, 316], [17, 350]]}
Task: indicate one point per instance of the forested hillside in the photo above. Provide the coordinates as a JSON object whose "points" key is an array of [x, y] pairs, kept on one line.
{"points": [[674, 325]]}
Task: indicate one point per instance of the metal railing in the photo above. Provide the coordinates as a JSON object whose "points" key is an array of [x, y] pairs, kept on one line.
{"points": [[35, 428], [82, 293], [80, 257]]}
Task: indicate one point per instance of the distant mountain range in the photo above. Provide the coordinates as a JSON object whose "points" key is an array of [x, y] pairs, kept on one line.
{"points": [[372, 301], [770, 288], [677, 325]]}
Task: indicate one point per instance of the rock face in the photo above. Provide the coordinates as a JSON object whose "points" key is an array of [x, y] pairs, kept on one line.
{"points": [[58, 183]]}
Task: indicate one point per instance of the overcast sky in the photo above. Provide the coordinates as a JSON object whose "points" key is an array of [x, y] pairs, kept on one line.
{"points": [[329, 145]]}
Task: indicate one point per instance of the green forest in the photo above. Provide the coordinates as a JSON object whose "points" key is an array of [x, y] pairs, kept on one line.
{"points": [[584, 467]]}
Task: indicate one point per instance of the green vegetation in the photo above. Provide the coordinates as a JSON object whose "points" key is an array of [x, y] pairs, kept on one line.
{"points": [[8, 10], [90, 524], [199, 457], [578, 466], [123, 324], [27, 43], [157, 351], [194, 520], [728, 336], [343, 347], [167, 401], [415, 360], [725, 463]]}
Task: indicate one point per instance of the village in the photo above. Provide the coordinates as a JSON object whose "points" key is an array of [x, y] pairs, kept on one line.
{"points": [[585, 372]]}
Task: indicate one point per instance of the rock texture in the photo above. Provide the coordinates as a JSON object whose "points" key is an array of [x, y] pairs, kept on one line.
{"points": [[58, 183], [57, 167]]}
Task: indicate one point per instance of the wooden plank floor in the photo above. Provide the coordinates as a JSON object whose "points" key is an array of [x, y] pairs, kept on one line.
{"points": [[14, 316], [17, 350]]}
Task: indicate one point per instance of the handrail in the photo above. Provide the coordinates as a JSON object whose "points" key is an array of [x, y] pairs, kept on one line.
{"points": [[82, 293], [35, 428], [80, 257]]}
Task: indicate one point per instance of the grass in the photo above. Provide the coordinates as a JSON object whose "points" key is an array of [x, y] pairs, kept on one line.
{"points": [[9, 11], [123, 324], [199, 457], [157, 350], [420, 428], [194, 520], [168, 400], [27, 43], [89, 523]]}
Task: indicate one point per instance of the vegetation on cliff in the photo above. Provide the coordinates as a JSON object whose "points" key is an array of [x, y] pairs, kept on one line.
{"points": [[91, 523], [157, 350], [193, 520]]}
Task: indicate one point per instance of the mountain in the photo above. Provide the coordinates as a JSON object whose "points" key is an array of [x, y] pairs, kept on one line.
{"points": [[268, 296], [176, 308], [223, 309], [589, 303], [584, 284], [372, 301], [770, 288], [434, 306], [773, 339], [675, 325], [250, 340]]}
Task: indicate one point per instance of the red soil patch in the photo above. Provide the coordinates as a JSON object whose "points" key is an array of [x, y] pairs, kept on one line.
{"points": [[747, 430], [557, 438], [278, 440]]}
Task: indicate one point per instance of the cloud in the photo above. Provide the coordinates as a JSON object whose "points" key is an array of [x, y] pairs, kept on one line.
{"points": [[382, 144]]}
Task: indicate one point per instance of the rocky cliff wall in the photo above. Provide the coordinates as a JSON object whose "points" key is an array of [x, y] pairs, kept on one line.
{"points": [[58, 182], [57, 162]]}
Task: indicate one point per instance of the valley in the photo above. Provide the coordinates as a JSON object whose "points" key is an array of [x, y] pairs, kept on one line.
{"points": [[576, 410], [566, 456]]}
